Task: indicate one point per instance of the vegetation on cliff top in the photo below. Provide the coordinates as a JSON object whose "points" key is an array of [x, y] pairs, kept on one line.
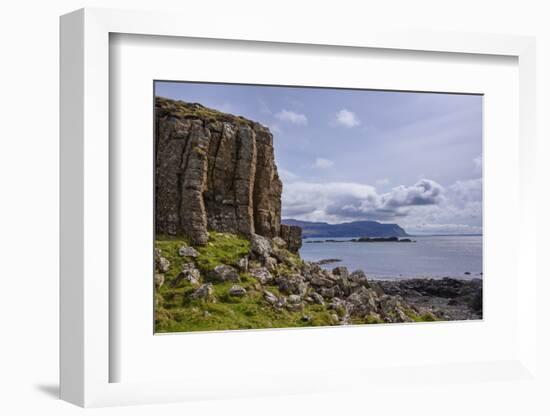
{"points": [[185, 110]]}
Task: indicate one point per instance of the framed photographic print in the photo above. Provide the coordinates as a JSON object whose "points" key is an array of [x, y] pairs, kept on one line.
{"points": [[228, 198], [287, 218]]}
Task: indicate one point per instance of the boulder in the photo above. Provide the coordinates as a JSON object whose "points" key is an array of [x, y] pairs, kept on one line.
{"points": [[260, 246], [270, 298], [204, 292], [237, 290], [186, 251], [317, 298], [224, 273], [163, 264], [292, 235], [262, 275], [159, 280], [243, 264], [189, 273]]}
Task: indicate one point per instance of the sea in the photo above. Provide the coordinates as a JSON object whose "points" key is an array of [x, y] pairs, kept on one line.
{"points": [[429, 257]]}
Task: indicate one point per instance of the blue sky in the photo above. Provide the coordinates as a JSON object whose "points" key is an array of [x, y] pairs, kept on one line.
{"points": [[345, 155]]}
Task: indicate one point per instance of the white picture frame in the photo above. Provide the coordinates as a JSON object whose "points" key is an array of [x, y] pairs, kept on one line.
{"points": [[85, 212]]}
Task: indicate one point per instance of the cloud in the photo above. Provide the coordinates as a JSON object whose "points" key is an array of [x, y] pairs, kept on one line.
{"points": [[347, 118], [424, 192], [382, 182], [321, 163], [287, 176], [342, 201], [291, 117]]}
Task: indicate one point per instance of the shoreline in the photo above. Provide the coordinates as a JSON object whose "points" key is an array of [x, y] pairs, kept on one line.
{"points": [[449, 298]]}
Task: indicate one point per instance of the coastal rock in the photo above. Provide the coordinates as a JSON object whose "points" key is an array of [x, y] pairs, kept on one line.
{"points": [[292, 235], [317, 298], [270, 298], [163, 264], [260, 246], [292, 285], [204, 292], [159, 280], [189, 273], [224, 273], [262, 275], [243, 264], [186, 251], [214, 171], [237, 290]]}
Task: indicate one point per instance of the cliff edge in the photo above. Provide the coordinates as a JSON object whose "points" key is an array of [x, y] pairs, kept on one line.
{"points": [[215, 171]]}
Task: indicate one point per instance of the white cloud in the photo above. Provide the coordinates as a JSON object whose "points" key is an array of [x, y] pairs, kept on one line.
{"points": [[343, 201], [321, 163], [347, 118], [383, 182], [291, 117]]}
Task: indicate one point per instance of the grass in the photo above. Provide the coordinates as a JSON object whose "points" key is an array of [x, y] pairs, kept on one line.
{"points": [[177, 312], [186, 110]]}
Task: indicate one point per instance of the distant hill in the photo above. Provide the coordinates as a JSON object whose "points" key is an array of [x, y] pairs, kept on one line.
{"points": [[347, 229]]}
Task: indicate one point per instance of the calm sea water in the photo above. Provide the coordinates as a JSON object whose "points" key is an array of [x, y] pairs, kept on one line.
{"points": [[430, 256]]}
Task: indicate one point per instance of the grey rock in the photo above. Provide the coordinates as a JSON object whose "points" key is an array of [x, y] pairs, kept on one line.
{"points": [[189, 273], [237, 290], [262, 275], [260, 246], [163, 264], [224, 273], [243, 264], [159, 280], [204, 292], [317, 298], [270, 298], [213, 170], [185, 251], [292, 235]]}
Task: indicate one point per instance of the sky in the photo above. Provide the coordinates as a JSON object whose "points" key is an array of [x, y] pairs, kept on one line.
{"points": [[409, 158]]}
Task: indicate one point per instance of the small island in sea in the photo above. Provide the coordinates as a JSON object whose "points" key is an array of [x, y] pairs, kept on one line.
{"points": [[238, 244]]}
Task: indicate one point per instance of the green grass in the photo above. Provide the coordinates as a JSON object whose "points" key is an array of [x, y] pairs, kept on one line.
{"points": [[222, 248], [177, 312]]}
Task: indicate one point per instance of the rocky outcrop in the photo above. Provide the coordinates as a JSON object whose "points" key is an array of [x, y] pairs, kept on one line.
{"points": [[292, 235], [214, 171]]}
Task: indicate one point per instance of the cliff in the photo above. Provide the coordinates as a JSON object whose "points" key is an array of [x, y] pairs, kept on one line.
{"points": [[215, 171], [347, 229]]}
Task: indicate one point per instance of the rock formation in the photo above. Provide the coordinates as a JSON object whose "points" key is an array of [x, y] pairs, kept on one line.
{"points": [[215, 171]]}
